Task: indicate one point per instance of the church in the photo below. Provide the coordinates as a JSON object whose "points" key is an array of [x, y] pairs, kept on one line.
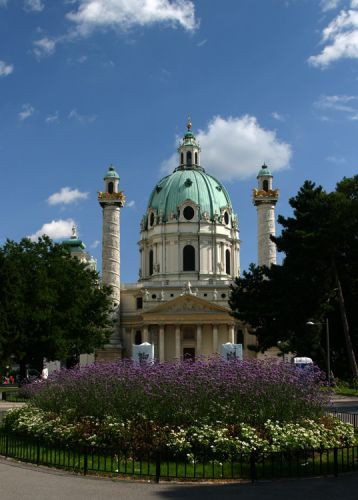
{"points": [[189, 254]]}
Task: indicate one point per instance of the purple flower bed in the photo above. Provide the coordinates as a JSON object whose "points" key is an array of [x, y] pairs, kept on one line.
{"points": [[180, 394]]}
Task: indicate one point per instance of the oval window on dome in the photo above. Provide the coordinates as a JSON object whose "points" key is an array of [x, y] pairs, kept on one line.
{"points": [[226, 218], [188, 212], [151, 219]]}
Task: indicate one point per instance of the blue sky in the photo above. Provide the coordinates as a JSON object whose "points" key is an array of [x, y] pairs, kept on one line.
{"points": [[86, 83]]}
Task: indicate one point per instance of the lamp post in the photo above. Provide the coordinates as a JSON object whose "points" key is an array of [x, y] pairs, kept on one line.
{"points": [[328, 349]]}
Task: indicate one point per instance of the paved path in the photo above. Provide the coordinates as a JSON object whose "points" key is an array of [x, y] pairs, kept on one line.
{"points": [[345, 403], [30, 483], [5, 406]]}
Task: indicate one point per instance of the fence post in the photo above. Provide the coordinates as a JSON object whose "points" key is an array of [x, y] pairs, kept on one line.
{"points": [[37, 452], [157, 468], [253, 472], [85, 461], [6, 446], [335, 462]]}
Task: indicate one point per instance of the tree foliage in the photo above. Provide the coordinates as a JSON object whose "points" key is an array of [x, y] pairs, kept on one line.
{"points": [[51, 305], [318, 277]]}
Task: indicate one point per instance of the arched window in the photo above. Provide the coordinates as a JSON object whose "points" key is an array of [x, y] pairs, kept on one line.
{"points": [[110, 187], [196, 158], [227, 261], [265, 185], [188, 258], [188, 158], [150, 262], [138, 337], [181, 158]]}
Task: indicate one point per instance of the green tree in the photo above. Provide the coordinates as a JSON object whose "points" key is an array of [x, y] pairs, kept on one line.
{"points": [[51, 305], [318, 274]]}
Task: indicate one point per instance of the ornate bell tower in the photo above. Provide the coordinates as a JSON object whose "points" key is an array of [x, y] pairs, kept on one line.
{"points": [[111, 201], [265, 198]]}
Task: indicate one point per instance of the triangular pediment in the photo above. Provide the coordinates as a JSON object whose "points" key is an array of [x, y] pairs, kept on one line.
{"points": [[187, 304]]}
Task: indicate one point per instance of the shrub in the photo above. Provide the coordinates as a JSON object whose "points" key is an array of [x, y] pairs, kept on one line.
{"points": [[181, 394], [198, 441]]}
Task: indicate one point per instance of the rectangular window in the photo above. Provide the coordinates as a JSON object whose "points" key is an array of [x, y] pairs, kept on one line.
{"points": [[139, 302]]}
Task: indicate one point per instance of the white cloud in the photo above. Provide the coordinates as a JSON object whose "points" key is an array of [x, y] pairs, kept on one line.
{"points": [[66, 195], [236, 147], [346, 104], [130, 204], [75, 115], [329, 4], [201, 43], [336, 159], [34, 5], [52, 118], [125, 14], [3, 3], [44, 47], [27, 111], [95, 244], [340, 38], [278, 116], [5, 68], [55, 229]]}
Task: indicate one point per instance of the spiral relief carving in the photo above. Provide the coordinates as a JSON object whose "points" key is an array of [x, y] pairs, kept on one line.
{"points": [[110, 249]]}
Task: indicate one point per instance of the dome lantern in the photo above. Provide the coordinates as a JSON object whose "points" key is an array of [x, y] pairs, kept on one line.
{"points": [[189, 150], [264, 178], [111, 180]]}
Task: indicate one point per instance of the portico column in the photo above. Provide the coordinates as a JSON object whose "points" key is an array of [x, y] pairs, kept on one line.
{"points": [[177, 342], [161, 343], [132, 338], [145, 335], [231, 333], [198, 340], [215, 339]]}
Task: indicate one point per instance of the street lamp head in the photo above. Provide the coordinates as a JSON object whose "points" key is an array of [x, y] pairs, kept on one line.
{"points": [[310, 323]]}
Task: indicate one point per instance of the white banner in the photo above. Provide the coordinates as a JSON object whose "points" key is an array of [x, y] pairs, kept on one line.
{"points": [[231, 351], [143, 353]]}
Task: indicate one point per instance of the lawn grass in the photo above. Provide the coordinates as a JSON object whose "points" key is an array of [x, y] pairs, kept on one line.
{"points": [[346, 391]]}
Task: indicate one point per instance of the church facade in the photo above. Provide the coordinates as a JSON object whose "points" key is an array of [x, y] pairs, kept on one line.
{"points": [[189, 253]]}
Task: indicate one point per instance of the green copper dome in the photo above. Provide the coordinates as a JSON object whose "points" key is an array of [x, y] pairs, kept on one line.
{"points": [[189, 184], [74, 244], [265, 171], [111, 173]]}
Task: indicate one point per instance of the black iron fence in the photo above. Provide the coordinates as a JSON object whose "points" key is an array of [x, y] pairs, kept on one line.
{"points": [[250, 466]]}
